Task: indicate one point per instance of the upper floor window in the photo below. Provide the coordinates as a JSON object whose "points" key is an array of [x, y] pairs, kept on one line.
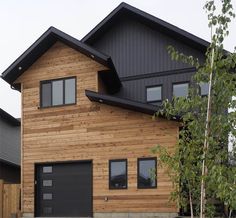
{"points": [[58, 92], [180, 90], [204, 88], [118, 174], [147, 168], [154, 94]]}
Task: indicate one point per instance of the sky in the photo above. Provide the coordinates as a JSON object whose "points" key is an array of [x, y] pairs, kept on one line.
{"points": [[22, 22]]}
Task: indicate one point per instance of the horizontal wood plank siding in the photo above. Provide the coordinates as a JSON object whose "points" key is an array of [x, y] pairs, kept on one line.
{"points": [[90, 131]]}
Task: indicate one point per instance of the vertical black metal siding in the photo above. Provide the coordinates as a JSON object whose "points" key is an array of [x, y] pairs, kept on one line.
{"points": [[136, 89], [137, 49]]}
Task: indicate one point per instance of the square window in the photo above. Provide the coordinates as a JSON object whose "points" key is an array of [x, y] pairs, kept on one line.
{"points": [[180, 90], [154, 94], [58, 92], [147, 169], [118, 174], [204, 88], [47, 210]]}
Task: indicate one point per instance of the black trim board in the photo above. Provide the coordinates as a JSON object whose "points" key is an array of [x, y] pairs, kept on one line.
{"points": [[40, 46], [8, 118], [152, 21], [120, 102]]}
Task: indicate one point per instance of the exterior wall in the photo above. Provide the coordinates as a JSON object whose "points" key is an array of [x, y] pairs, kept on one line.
{"points": [[90, 131], [137, 50], [9, 142], [9, 173]]}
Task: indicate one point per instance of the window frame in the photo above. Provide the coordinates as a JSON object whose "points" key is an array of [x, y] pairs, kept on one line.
{"points": [[126, 174], [63, 87], [178, 83], [146, 158], [153, 86]]}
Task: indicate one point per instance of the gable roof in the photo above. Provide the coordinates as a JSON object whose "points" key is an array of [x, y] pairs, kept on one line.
{"points": [[9, 118], [125, 9], [45, 41]]}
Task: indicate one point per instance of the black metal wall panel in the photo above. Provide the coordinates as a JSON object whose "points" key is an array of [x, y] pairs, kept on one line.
{"points": [[138, 49], [136, 89]]}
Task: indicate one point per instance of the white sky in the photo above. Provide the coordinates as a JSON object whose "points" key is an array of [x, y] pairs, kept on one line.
{"points": [[22, 22]]}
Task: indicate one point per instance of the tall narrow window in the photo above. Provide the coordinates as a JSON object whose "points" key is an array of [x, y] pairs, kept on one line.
{"points": [[180, 90], [118, 174], [147, 169], [154, 94], [58, 92]]}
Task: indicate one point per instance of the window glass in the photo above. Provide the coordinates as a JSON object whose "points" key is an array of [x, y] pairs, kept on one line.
{"points": [[47, 169], [47, 210], [204, 88], [180, 90], [118, 174], [46, 94], [70, 91], [146, 173], [47, 196], [47, 182], [154, 94], [57, 92]]}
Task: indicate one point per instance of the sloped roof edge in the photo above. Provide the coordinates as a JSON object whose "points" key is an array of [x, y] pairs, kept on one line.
{"points": [[9, 118], [43, 43], [150, 20]]}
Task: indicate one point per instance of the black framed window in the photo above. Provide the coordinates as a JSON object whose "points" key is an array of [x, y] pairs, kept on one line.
{"points": [[154, 94], [204, 89], [180, 90], [58, 92], [147, 169], [118, 174]]}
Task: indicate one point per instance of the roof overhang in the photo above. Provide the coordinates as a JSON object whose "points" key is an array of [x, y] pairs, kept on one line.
{"points": [[40, 46], [8, 118]]}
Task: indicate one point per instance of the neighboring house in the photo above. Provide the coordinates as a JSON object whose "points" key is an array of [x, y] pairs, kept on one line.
{"points": [[86, 116], [9, 148]]}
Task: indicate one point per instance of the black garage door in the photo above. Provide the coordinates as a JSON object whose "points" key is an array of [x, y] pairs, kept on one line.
{"points": [[64, 190]]}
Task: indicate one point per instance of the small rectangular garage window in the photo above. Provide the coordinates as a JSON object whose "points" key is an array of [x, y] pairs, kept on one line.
{"points": [[118, 174], [147, 169], [58, 92]]}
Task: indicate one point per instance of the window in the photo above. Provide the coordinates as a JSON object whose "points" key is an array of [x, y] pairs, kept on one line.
{"points": [[147, 168], [180, 90], [154, 94], [47, 169], [118, 174], [204, 88], [58, 92]]}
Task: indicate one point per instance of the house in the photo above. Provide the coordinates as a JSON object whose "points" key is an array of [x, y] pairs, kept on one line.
{"points": [[86, 116], [9, 148]]}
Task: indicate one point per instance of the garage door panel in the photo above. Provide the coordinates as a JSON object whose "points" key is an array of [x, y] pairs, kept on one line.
{"points": [[64, 189]]}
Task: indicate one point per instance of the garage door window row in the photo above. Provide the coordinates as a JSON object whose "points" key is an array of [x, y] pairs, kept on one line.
{"points": [[146, 173]]}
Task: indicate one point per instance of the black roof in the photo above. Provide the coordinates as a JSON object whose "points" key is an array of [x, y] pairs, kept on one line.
{"points": [[121, 102], [8, 118], [40, 46], [125, 9]]}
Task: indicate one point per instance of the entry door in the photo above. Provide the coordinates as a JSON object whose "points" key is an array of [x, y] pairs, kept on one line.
{"points": [[64, 190]]}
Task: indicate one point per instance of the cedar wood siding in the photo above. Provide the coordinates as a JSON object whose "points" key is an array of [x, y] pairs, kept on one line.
{"points": [[90, 131]]}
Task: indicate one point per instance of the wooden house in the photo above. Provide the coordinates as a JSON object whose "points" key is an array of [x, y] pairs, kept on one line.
{"points": [[86, 117]]}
